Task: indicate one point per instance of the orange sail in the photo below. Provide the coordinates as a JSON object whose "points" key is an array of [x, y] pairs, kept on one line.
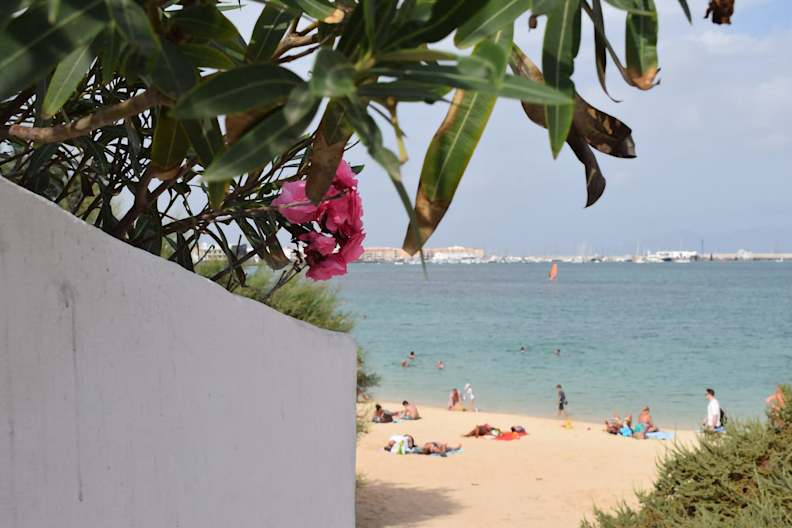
{"points": [[553, 271]]}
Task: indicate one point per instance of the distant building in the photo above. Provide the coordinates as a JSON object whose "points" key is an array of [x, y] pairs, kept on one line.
{"points": [[384, 254], [204, 252], [453, 253]]}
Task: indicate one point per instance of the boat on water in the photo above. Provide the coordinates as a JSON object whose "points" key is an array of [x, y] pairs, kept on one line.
{"points": [[553, 272]]}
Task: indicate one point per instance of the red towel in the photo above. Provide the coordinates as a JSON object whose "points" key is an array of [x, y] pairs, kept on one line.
{"points": [[509, 436]]}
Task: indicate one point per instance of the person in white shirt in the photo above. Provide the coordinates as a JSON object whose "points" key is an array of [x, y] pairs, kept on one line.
{"points": [[713, 412]]}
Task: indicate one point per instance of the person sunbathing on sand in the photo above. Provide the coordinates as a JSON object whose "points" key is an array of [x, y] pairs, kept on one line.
{"points": [[381, 415], [436, 448], [400, 444], [410, 411], [612, 425], [483, 430]]}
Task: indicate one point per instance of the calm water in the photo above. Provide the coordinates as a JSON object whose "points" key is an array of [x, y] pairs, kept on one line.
{"points": [[629, 334]]}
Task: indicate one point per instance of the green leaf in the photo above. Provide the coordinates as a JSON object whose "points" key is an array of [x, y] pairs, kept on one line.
{"points": [[404, 91], [134, 25], [267, 33], [207, 56], [447, 15], [333, 75], [217, 191], [369, 22], [237, 90], [205, 138], [494, 15], [110, 52], [370, 135], [327, 151], [318, 9], [204, 22], [561, 44], [36, 176], [53, 6], [30, 45], [600, 43], [641, 46], [257, 147], [171, 72], [301, 102], [511, 86], [66, 78], [168, 147], [631, 6], [416, 55], [452, 148]]}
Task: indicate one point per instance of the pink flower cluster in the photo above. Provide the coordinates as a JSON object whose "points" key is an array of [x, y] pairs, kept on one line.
{"points": [[339, 217]]}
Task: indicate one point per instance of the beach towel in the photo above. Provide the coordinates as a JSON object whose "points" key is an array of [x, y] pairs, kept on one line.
{"points": [[511, 435], [660, 435]]}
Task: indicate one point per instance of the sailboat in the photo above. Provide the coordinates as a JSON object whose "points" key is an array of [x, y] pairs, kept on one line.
{"points": [[553, 272]]}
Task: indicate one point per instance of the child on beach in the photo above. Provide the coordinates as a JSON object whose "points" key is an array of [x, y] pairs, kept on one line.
{"points": [[562, 401]]}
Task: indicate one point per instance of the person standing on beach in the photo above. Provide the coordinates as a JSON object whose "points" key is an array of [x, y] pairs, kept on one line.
{"points": [[713, 422], [562, 401]]}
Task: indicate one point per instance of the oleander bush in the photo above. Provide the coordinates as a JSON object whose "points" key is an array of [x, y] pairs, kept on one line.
{"points": [[740, 479]]}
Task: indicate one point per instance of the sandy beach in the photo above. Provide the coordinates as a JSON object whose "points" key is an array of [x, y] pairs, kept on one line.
{"points": [[550, 478]]}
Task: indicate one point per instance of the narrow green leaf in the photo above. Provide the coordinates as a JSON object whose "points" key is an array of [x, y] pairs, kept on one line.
{"points": [[600, 46], [447, 15], [267, 33], [416, 55], [204, 22], [53, 8], [205, 138], [217, 191], [171, 72], [237, 90], [333, 75], [168, 147], [67, 76], [207, 56], [641, 46], [560, 47], [511, 86], [110, 52], [257, 147], [631, 6], [327, 150], [404, 91], [452, 147], [36, 176], [494, 15], [134, 25], [30, 46]]}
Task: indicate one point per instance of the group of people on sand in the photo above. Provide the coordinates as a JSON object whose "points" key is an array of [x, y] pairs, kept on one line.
{"points": [[405, 444], [409, 412], [626, 427], [464, 401]]}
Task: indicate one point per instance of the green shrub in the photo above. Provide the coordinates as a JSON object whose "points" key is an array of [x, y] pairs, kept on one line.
{"points": [[742, 478]]}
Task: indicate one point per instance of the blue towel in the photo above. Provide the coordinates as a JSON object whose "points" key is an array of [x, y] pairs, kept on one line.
{"points": [[660, 435], [448, 454]]}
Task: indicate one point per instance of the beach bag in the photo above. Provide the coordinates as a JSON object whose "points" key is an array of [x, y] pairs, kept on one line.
{"points": [[723, 418]]}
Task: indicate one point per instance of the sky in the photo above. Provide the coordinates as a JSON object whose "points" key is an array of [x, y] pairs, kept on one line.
{"points": [[713, 143]]}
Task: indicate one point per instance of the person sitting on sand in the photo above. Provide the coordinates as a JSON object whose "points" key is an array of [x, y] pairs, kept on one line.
{"points": [[436, 448], [483, 430], [645, 419], [400, 444], [410, 411], [381, 415], [453, 399], [612, 425]]}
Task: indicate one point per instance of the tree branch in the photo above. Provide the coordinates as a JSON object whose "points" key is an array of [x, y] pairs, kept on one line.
{"points": [[87, 124]]}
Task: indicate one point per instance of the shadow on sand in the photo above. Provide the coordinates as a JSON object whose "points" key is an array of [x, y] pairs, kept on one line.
{"points": [[383, 504]]}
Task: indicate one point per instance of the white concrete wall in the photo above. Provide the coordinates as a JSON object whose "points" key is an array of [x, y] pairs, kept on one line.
{"points": [[135, 394]]}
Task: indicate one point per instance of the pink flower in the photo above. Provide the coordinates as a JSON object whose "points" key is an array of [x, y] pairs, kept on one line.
{"points": [[318, 244], [294, 204], [352, 249], [327, 268], [343, 214], [345, 176]]}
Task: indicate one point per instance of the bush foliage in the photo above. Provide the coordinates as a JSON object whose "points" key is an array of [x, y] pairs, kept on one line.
{"points": [[740, 479]]}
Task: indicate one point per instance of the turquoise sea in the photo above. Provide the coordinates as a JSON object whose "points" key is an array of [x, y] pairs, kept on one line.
{"points": [[629, 334]]}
